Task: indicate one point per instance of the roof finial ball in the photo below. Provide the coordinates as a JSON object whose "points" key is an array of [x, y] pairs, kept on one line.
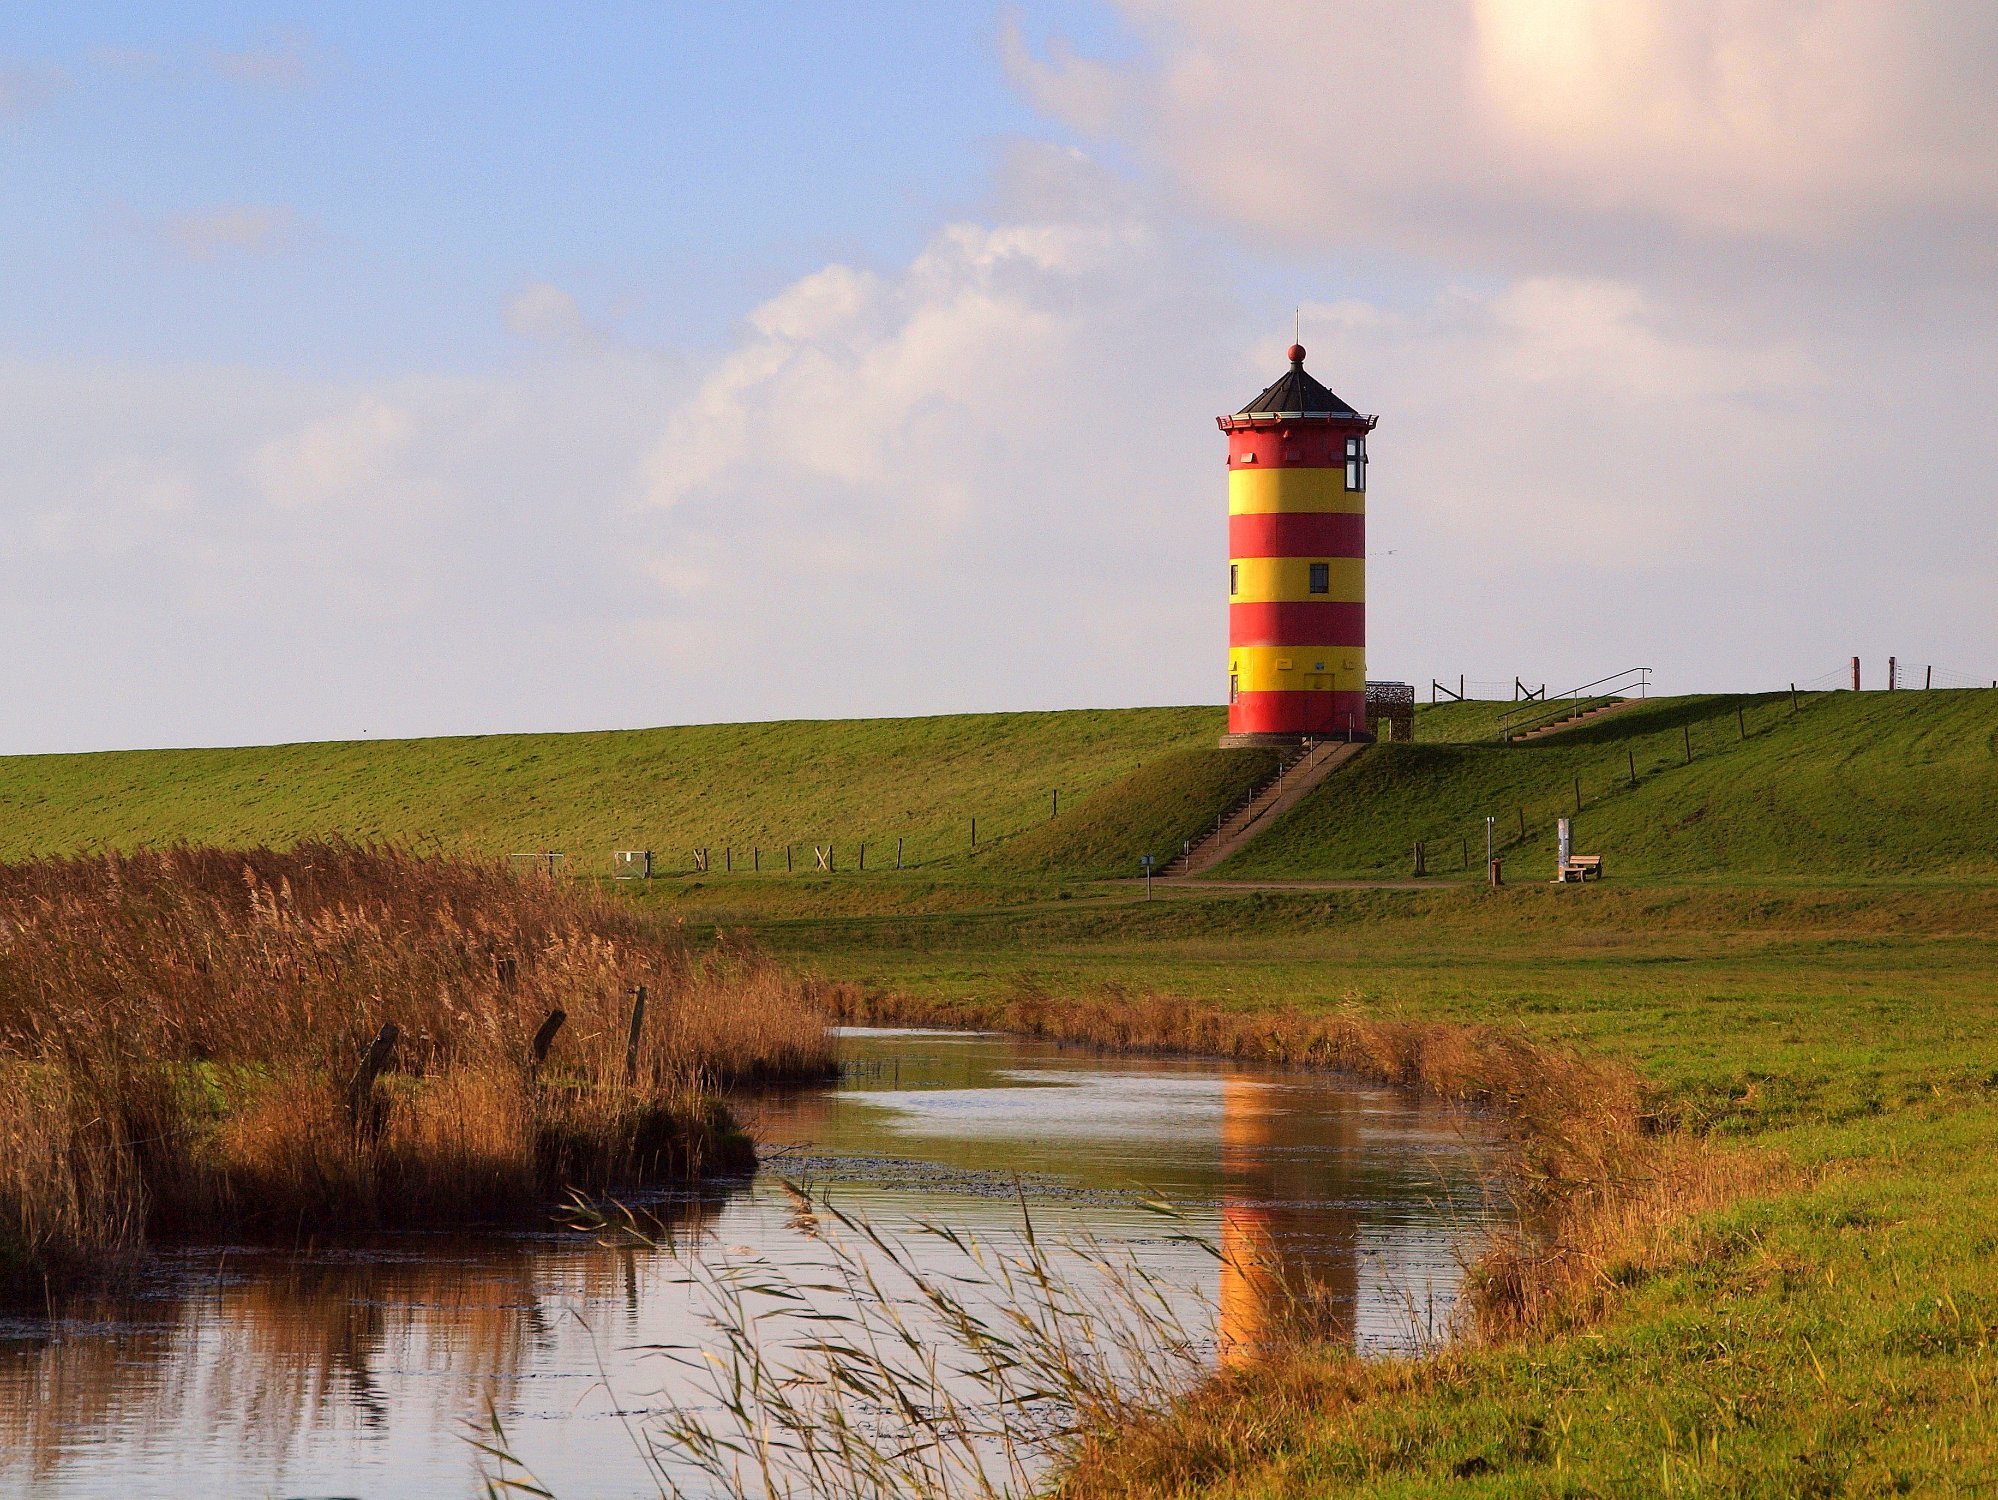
{"points": [[1296, 356]]}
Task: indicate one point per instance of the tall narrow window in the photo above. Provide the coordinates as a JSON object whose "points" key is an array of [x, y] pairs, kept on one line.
{"points": [[1356, 463], [1321, 578], [1234, 687], [1234, 578]]}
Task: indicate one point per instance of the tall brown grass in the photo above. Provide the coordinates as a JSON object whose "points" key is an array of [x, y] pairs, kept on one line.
{"points": [[180, 1032]]}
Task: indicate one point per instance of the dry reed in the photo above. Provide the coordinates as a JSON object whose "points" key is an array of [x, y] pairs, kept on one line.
{"points": [[180, 1032]]}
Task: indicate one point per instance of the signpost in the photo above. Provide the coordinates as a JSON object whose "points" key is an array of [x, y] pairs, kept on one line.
{"points": [[1146, 861]]}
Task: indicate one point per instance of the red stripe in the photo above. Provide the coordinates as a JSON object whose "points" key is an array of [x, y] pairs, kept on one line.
{"points": [[1299, 713], [1306, 445], [1297, 534], [1300, 623]]}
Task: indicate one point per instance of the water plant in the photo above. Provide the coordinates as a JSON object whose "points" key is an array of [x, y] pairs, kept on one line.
{"points": [[342, 1037]]}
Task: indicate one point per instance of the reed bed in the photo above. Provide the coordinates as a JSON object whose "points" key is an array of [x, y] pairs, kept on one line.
{"points": [[184, 1036]]}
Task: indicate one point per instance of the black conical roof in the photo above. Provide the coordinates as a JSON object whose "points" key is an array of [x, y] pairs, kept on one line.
{"points": [[1297, 395]]}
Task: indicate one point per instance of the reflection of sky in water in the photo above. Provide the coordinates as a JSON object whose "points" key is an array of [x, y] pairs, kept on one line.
{"points": [[1036, 1104], [355, 1370]]}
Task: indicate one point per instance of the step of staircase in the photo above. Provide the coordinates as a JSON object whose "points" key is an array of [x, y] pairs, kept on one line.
{"points": [[1585, 717], [1271, 801]]}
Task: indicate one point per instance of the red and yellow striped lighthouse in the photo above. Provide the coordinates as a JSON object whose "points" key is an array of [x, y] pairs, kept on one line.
{"points": [[1297, 564]]}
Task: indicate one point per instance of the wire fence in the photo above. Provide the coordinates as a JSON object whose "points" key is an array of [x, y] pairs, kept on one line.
{"points": [[1484, 689], [1897, 675]]}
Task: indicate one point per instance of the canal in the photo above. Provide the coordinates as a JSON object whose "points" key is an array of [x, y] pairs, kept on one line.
{"points": [[361, 1368]]}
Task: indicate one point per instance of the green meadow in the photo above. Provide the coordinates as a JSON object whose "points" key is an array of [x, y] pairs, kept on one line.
{"points": [[1796, 949], [746, 787]]}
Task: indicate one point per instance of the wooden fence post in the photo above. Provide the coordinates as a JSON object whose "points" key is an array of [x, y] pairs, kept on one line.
{"points": [[1687, 729], [1633, 764], [545, 1037], [1522, 822], [1421, 867], [863, 854], [1793, 697], [1578, 794], [787, 859], [631, 1040], [1741, 721], [361, 1089], [898, 853], [974, 835]]}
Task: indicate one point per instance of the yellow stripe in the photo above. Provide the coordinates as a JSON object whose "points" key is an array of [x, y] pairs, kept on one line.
{"points": [[1286, 580], [1255, 492], [1293, 669]]}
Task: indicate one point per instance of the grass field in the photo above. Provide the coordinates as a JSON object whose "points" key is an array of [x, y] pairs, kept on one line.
{"points": [[1841, 785], [739, 786], [1833, 1335], [1796, 950], [1854, 785]]}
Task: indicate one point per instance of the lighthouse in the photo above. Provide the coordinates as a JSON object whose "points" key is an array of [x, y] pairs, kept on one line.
{"points": [[1297, 564]]}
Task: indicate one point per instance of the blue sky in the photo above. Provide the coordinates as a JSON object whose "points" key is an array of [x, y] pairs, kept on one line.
{"points": [[428, 369], [674, 164]]}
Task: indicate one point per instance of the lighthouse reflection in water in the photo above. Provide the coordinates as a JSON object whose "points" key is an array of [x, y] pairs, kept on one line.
{"points": [[1349, 1206]]}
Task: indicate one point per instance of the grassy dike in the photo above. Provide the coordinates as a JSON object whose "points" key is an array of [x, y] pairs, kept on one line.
{"points": [[719, 786]]}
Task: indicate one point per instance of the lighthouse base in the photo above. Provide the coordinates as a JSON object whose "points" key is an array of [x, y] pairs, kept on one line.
{"points": [[1289, 717], [1289, 741]]}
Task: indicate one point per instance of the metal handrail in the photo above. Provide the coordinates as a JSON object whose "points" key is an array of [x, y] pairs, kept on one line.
{"points": [[1566, 705], [1247, 804]]}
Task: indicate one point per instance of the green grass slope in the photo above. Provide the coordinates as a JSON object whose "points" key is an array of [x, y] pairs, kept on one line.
{"points": [[742, 785], [1151, 811], [1853, 785]]}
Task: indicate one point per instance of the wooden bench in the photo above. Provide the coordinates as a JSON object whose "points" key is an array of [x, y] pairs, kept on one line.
{"points": [[1583, 867]]}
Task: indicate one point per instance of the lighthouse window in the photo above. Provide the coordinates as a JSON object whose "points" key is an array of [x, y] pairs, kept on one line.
{"points": [[1321, 578], [1234, 578], [1356, 463]]}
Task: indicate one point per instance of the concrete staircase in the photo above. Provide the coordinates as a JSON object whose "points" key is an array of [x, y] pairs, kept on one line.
{"points": [[1584, 714], [1293, 782]]}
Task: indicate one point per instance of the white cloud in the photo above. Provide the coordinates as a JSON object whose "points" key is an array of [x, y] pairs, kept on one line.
{"points": [[967, 481], [541, 310], [28, 88], [1578, 129], [287, 60], [334, 457], [240, 228], [203, 554]]}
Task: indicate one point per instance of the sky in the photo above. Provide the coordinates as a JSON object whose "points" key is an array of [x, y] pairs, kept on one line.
{"points": [[375, 370]]}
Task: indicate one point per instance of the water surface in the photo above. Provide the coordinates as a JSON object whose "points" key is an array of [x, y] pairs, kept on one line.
{"points": [[357, 1369]]}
